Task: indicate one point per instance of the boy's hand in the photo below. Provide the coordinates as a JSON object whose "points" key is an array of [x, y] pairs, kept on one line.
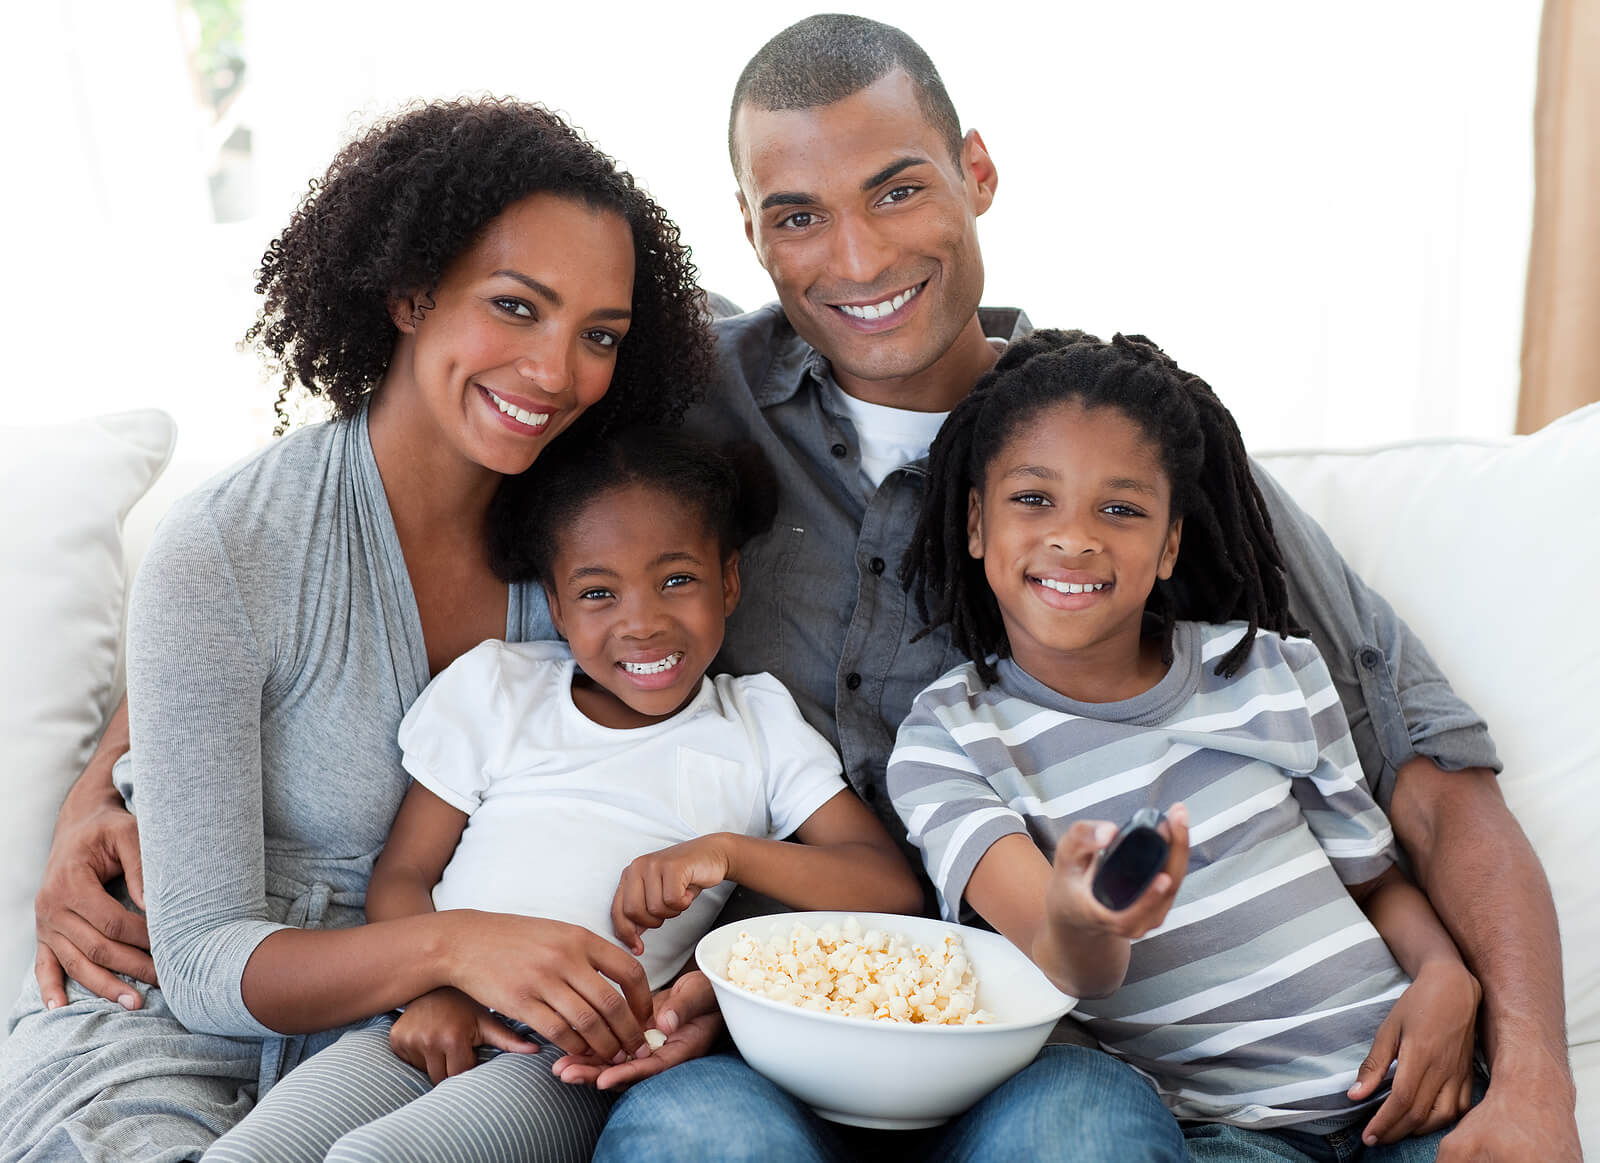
{"points": [[660, 885], [1070, 903], [686, 1012], [1430, 1030], [441, 1031]]}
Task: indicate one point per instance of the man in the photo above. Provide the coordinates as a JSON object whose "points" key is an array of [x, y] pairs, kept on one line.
{"points": [[860, 197]]}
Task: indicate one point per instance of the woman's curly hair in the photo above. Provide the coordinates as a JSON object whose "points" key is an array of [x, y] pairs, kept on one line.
{"points": [[402, 201]]}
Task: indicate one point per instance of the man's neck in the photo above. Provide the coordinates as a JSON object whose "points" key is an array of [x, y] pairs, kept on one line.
{"points": [[938, 387]]}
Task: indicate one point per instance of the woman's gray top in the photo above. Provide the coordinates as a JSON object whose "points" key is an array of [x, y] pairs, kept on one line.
{"points": [[273, 647]]}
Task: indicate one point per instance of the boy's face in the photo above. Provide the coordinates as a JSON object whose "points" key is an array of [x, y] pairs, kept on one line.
{"points": [[641, 593], [867, 226], [1073, 525]]}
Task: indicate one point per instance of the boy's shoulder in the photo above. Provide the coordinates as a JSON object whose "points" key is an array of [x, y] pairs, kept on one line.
{"points": [[1269, 651], [957, 691]]}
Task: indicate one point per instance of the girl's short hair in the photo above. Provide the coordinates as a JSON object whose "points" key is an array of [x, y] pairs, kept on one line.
{"points": [[406, 198], [1230, 567], [731, 487]]}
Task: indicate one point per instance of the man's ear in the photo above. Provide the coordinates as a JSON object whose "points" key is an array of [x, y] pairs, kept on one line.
{"points": [[730, 583], [1169, 552], [749, 225], [974, 524], [978, 168]]}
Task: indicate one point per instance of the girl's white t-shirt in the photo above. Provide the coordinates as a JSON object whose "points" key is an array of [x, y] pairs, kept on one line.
{"points": [[558, 805]]}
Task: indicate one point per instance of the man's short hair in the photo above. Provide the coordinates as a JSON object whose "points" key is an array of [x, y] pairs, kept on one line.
{"points": [[828, 57]]}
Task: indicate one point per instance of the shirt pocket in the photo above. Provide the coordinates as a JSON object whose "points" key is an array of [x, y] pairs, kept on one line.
{"points": [[717, 794]]}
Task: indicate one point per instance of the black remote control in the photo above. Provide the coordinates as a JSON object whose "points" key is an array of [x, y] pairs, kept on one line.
{"points": [[1130, 862]]}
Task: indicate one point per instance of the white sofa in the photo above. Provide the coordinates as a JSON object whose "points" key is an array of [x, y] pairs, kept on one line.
{"points": [[1491, 549]]}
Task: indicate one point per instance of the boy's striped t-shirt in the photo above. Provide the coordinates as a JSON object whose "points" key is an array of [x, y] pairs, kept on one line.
{"points": [[1256, 1000]]}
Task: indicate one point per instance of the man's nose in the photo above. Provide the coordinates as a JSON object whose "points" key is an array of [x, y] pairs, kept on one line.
{"points": [[861, 252]]}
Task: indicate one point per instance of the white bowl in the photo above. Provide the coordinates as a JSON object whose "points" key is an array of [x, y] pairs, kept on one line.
{"points": [[888, 1074]]}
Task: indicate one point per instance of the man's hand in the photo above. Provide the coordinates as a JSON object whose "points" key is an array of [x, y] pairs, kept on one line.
{"points": [[84, 932], [686, 1012], [1517, 1120], [1430, 1031], [441, 1031], [659, 885]]}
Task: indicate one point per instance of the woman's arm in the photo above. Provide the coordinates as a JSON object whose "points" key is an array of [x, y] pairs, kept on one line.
{"points": [[845, 860]]}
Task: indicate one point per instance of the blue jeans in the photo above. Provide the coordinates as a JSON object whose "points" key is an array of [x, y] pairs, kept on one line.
{"points": [[1070, 1103]]}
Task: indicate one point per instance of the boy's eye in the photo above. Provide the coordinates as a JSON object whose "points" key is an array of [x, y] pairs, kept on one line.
{"points": [[1032, 500], [1122, 509], [597, 594], [678, 579]]}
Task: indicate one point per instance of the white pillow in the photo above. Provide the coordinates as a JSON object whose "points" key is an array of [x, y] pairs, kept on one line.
{"points": [[64, 491], [1491, 551]]}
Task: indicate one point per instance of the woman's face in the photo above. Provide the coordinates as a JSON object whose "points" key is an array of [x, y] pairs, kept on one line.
{"points": [[521, 334]]}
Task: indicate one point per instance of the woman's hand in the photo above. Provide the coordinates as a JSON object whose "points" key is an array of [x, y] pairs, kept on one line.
{"points": [[84, 932], [554, 977], [441, 1031], [659, 885], [686, 1012], [1430, 1030]]}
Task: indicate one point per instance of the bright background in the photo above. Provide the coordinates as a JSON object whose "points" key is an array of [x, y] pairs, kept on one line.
{"points": [[1322, 209]]}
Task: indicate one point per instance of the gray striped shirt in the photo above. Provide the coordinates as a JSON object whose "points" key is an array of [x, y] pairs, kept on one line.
{"points": [[1257, 999]]}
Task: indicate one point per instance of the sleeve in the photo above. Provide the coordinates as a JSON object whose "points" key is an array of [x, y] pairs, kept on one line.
{"points": [[951, 813], [1333, 797], [449, 737], [196, 672], [1398, 703], [800, 768]]}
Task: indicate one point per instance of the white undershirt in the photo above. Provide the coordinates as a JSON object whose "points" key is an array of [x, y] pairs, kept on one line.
{"points": [[890, 437]]}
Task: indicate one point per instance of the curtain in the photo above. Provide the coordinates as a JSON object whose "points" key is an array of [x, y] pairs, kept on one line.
{"points": [[1561, 320]]}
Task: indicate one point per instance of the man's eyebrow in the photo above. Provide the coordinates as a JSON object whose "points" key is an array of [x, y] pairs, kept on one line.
{"points": [[550, 295], [891, 170], [772, 200]]}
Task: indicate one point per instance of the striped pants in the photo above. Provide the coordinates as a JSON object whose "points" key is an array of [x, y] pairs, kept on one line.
{"points": [[357, 1102]]}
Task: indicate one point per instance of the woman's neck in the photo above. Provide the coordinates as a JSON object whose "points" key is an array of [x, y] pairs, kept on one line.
{"points": [[434, 493]]}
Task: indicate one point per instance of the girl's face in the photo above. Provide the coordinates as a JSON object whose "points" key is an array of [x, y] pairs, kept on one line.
{"points": [[1073, 526], [641, 593], [521, 334]]}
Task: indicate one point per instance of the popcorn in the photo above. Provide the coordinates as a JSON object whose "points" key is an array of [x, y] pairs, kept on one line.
{"points": [[838, 969]]}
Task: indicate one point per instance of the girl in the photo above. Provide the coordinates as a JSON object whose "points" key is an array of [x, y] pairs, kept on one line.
{"points": [[543, 773], [1111, 672], [470, 282]]}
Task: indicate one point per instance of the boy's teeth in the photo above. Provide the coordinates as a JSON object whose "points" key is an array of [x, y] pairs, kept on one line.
{"points": [[532, 419], [666, 663], [878, 310], [1069, 587]]}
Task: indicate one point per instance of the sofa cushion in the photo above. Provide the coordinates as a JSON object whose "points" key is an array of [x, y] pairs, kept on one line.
{"points": [[1489, 549], [64, 491]]}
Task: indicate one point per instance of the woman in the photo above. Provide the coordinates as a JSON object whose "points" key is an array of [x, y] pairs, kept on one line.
{"points": [[467, 283]]}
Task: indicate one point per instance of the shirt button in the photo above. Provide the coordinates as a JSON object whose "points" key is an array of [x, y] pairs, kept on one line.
{"points": [[852, 680], [876, 565], [1370, 658], [838, 450]]}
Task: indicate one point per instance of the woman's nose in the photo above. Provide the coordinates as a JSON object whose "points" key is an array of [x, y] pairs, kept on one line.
{"points": [[547, 366]]}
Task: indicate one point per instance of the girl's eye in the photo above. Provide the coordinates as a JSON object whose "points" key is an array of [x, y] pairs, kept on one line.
{"points": [[678, 579], [517, 307], [1120, 509], [598, 594], [1032, 500], [900, 193]]}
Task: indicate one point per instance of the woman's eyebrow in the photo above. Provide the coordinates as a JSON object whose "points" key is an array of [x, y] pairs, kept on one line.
{"points": [[551, 296]]}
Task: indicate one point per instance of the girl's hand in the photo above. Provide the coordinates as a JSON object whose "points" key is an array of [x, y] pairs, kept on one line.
{"points": [[658, 886], [441, 1031], [1069, 903], [686, 1012], [1430, 1030], [554, 977]]}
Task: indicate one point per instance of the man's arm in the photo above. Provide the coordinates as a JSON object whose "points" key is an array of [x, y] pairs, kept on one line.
{"points": [[84, 932], [1481, 874]]}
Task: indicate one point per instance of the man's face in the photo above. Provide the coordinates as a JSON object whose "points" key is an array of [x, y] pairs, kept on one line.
{"points": [[867, 226]]}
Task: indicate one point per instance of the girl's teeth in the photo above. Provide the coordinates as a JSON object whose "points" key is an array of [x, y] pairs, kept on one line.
{"points": [[1070, 587], [531, 419], [666, 663]]}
